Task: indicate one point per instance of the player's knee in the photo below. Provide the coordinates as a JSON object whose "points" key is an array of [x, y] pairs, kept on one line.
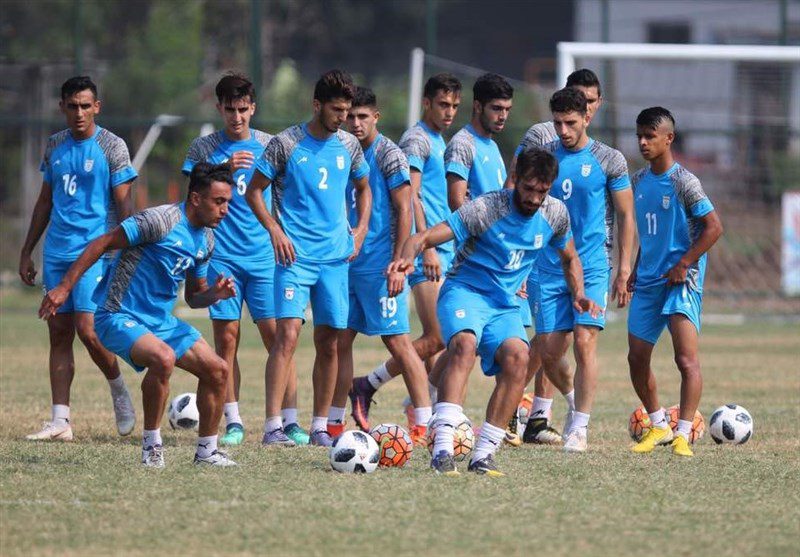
{"points": [[62, 333], [326, 345], [514, 362], [286, 340], [162, 363], [87, 335], [218, 373], [687, 365], [462, 346], [636, 360]]}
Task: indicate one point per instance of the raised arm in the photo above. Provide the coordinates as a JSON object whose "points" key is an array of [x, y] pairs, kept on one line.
{"points": [[412, 247], [39, 221], [198, 294], [363, 210]]}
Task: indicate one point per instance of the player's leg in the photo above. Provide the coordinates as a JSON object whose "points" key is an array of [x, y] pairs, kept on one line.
{"points": [[344, 381], [685, 342], [226, 344], [276, 379], [416, 380], [326, 364], [586, 373], [537, 429]]}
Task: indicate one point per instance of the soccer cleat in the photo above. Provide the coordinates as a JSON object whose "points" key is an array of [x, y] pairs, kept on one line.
{"points": [[153, 457], [320, 438], [654, 436], [124, 414], [681, 447], [485, 467], [419, 435], [296, 434], [444, 463], [576, 441], [276, 438], [217, 458], [234, 435], [539, 432], [335, 430], [512, 439], [408, 408], [360, 400], [52, 432], [567, 424]]}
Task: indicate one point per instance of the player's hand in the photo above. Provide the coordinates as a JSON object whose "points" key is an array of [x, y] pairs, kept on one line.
{"points": [[283, 247], [53, 300], [241, 159], [359, 234], [224, 287], [676, 275], [400, 265], [584, 305], [523, 290], [27, 271], [619, 289], [431, 267], [395, 283], [632, 283]]}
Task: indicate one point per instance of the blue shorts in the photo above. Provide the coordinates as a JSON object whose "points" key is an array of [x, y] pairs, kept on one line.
{"points": [[119, 332], [254, 286], [551, 301], [445, 259], [525, 313], [651, 307], [80, 299], [324, 284], [462, 309], [372, 311]]}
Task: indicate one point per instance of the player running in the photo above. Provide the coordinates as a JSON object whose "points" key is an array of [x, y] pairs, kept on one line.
{"points": [[677, 226], [310, 165], [86, 188], [161, 247], [498, 235], [378, 307], [424, 148], [243, 249], [593, 183]]}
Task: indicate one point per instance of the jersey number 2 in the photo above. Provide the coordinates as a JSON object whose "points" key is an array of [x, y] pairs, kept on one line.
{"points": [[323, 182]]}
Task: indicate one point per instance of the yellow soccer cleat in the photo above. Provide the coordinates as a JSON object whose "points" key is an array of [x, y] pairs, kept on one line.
{"points": [[681, 447], [654, 436]]}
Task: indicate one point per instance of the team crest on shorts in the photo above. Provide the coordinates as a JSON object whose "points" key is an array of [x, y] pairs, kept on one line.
{"points": [[288, 293], [665, 202], [88, 164], [340, 162], [538, 241], [130, 324], [460, 313], [586, 169]]}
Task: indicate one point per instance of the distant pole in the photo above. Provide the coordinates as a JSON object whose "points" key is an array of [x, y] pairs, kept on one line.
{"points": [[255, 44], [783, 17], [415, 86], [430, 26], [609, 114], [78, 36]]}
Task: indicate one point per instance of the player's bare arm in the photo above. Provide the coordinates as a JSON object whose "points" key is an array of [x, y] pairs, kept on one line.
{"points": [[401, 201], [456, 191], [39, 221], [123, 200], [511, 178], [431, 266], [281, 244], [430, 238], [712, 231], [198, 293], [626, 219], [363, 208], [632, 278], [573, 273]]}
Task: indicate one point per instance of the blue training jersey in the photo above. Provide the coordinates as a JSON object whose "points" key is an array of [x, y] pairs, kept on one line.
{"points": [[145, 277], [82, 175], [537, 135], [477, 160], [498, 244], [240, 237], [586, 179], [668, 210], [388, 170], [310, 178]]}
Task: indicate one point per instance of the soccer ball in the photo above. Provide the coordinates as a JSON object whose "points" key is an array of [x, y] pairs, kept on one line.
{"points": [[698, 423], [639, 423], [395, 444], [183, 413], [463, 441], [354, 452], [731, 424]]}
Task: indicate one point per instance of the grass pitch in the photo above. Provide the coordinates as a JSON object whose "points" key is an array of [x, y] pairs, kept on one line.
{"points": [[91, 497]]}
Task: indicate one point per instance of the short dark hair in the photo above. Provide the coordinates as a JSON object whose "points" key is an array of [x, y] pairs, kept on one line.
{"points": [[654, 116], [334, 84], [568, 99], [584, 78], [491, 86], [76, 85], [364, 96], [538, 164], [446, 82], [204, 173], [235, 86]]}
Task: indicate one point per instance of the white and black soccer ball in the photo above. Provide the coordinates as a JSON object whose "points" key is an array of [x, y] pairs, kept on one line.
{"points": [[355, 452], [731, 424], [183, 413]]}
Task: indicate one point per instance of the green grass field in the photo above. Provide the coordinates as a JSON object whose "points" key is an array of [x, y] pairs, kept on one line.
{"points": [[91, 497]]}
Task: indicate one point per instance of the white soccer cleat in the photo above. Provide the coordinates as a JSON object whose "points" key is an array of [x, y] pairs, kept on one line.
{"points": [[153, 457], [124, 414], [52, 432], [576, 441], [567, 424], [217, 458]]}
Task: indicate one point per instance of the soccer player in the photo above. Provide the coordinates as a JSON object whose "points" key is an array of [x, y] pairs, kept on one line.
{"points": [[310, 165], [593, 183], [677, 226], [161, 247], [424, 148], [86, 187], [243, 249], [498, 235], [378, 307]]}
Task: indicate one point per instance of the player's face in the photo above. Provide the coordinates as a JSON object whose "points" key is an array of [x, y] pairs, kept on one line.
{"points": [[570, 127], [80, 110], [236, 115], [493, 114], [332, 114], [529, 194], [593, 100], [442, 109], [362, 122], [212, 206], [654, 142]]}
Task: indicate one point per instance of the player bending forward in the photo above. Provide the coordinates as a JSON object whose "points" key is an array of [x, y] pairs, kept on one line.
{"points": [[162, 246], [677, 226], [498, 235]]}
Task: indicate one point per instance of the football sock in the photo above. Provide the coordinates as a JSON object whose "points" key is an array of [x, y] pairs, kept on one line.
{"points": [[433, 392], [422, 415], [685, 428], [379, 376], [658, 418], [60, 414], [570, 398], [206, 446], [231, 411], [319, 423], [289, 416], [541, 407], [336, 415], [579, 420], [448, 416], [117, 385], [151, 438], [272, 423], [490, 438]]}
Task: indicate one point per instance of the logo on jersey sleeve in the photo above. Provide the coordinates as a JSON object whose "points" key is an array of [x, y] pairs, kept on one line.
{"points": [[288, 293], [586, 169], [665, 202], [88, 164], [460, 313], [538, 241], [340, 162]]}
